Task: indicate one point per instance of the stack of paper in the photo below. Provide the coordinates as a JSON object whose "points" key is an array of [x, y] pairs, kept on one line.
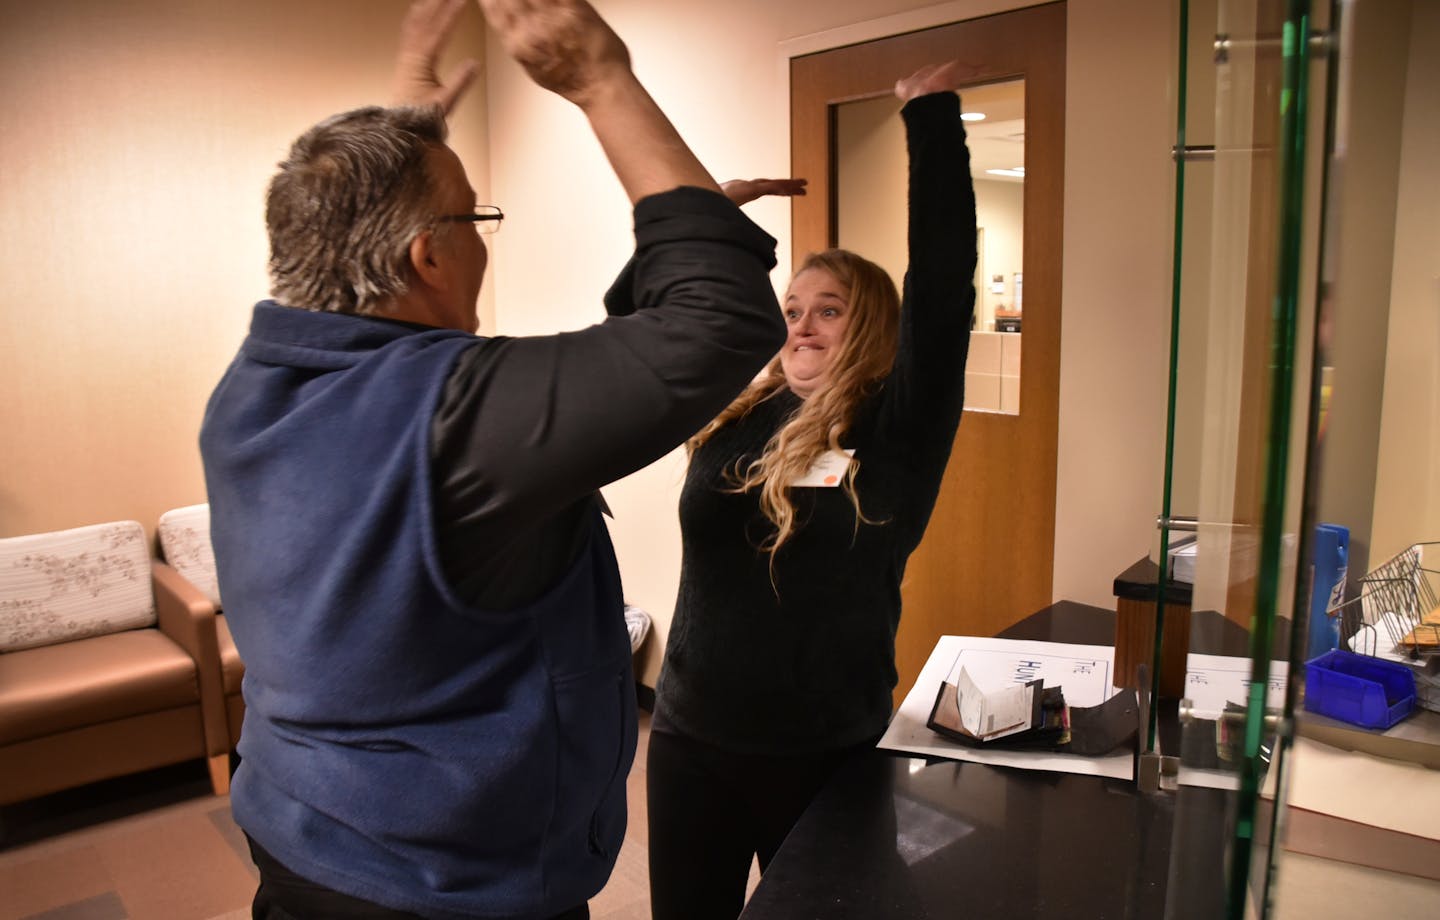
{"points": [[1182, 558]]}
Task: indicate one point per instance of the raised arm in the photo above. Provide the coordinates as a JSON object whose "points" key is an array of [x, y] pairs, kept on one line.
{"points": [[695, 312], [568, 49], [423, 33], [925, 392]]}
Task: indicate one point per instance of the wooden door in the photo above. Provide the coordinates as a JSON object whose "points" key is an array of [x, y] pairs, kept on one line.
{"points": [[987, 559]]}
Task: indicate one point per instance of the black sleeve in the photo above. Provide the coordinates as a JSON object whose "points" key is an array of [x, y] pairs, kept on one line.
{"points": [[529, 428], [924, 395]]}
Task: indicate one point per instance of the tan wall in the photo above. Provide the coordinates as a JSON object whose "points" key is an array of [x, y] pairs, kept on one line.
{"points": [[136, 139], [871, 179], [1407, 483], [870, 175], [1364, 185], [1119, 127], [1000, 211]]}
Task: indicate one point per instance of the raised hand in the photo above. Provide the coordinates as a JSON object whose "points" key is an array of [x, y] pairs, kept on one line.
{"points": [[568, 49], [423, 33], [563, 45], [936, 78], [743, 191]]}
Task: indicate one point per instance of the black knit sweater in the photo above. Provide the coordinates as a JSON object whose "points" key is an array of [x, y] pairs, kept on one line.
{"points": [[808, 663]]}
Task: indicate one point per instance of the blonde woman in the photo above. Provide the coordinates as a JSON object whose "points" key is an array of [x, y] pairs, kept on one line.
{"points": [[802, 502]]}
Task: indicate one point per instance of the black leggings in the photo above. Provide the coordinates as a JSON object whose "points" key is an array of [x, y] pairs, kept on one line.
{"points": [[283, 895], [711, 811]]}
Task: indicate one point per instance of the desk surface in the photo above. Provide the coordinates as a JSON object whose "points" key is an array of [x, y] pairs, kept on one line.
{"points": [[897, 838], [1141, 582]]}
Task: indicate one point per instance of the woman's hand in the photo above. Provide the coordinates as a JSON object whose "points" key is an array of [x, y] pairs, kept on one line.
{"points": [[935, 78], [743, 191], [423, 33]]}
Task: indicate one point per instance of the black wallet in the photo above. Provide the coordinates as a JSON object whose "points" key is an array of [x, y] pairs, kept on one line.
{"points": [[1053, 725]]}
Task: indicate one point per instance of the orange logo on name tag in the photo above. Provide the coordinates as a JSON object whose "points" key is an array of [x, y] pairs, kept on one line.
{"points": [[827, 471]]}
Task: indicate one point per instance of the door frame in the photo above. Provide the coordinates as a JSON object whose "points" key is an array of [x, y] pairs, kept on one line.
{"points": [[987, 560]]}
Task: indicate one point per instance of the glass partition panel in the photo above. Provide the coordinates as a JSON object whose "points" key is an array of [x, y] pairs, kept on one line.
{"points": [[1246, 213]]}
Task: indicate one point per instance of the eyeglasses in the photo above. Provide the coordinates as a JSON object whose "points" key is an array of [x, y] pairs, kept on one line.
{"points": [[486, 218]]}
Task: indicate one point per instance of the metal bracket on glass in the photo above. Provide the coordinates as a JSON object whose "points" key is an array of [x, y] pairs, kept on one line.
{"points": [[1193, 152], [1230, 729], [1191, 524], [1177, 522], [1273, 717], [1158, 772], [1154, 771], [1320, 44]]}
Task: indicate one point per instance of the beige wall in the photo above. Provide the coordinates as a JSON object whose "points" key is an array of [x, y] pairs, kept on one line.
{"points": [[870, 176], [136, 139], [1000, 211], [871, 179], [1116, 287], [1407, 482], [1364, 185]]}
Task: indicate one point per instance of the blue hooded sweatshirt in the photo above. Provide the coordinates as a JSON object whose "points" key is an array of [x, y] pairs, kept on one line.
{"points": [[399, 745]]}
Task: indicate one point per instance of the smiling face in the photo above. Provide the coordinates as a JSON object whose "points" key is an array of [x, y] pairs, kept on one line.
{"points": [[817, 314]]}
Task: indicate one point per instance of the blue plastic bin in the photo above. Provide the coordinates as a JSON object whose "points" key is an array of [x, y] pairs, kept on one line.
{"points": [[1359, 689]]}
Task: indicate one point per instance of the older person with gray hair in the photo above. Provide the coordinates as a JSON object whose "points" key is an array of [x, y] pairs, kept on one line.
{"points": [[440, 707]]}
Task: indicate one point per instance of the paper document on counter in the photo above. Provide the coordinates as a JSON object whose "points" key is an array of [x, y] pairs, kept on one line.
{"points": [[1211, 681], [1082, 671]]}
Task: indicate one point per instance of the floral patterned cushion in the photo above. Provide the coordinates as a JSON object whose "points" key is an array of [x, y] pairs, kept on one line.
{"points": [[637, 623], [73, 584], [185, 544]]}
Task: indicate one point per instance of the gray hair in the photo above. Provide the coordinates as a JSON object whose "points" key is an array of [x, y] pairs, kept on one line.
{"points": [[342, 211]]}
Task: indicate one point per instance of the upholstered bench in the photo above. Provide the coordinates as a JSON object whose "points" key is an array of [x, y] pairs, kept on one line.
{"points": [[95, 681], [184, 535]]}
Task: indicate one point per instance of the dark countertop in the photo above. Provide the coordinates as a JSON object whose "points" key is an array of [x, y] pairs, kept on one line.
{"points": [[1141, 581], [893, 837]]}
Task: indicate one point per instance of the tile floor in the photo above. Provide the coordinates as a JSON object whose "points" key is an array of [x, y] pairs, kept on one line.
{"points": [[160, 847]]}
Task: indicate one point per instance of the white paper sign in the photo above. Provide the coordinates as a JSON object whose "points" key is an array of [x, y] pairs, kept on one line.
{"points": [[828, 471]]}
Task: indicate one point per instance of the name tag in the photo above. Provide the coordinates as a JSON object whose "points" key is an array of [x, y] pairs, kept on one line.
{"points": [[828, 471]]}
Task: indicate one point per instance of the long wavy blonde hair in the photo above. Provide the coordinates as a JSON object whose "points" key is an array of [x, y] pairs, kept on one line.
{"points": [[860, 364]]}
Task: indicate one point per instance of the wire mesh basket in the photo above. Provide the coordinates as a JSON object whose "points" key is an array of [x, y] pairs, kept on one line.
{"points": [[1395, 613]]}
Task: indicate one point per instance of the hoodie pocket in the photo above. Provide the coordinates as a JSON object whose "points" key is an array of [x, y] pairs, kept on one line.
{"points": [[596, 747]]}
